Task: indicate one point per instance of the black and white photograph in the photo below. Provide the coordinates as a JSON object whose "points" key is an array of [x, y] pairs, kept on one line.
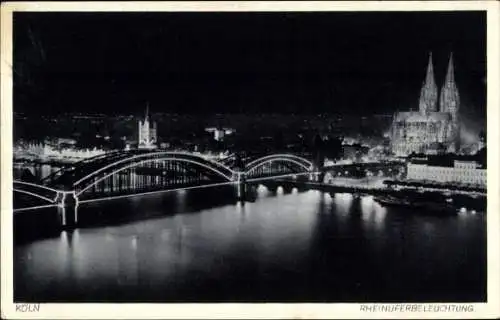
{"points": [[250, 157]]}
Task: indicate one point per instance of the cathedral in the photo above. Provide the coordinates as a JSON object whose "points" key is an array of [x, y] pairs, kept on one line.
{"points": [[147, 133], [428, 130]]}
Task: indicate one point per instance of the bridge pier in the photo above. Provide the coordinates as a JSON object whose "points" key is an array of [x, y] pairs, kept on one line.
{"points": [[316, 175], [242, 187], [67, 208], [287, 187]]}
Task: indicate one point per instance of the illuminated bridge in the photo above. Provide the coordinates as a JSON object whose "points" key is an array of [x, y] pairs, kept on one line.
{"points": [[123, 173]]}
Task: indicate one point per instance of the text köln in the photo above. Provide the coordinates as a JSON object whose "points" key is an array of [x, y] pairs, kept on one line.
{"points": [[27, 307]]}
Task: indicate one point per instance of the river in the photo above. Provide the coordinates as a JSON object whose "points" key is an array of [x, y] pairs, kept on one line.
{"points": [[282, 246]]}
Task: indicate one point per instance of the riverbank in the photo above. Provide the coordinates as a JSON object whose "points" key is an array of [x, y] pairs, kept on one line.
{"points": [[431, 185], [461, 200]]}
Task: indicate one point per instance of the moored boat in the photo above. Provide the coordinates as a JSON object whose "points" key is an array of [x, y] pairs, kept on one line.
{"points": [[420, 206], [392, 201]]}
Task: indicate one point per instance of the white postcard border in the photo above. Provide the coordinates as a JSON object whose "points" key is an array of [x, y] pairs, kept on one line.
{"points": [[250, 310]]}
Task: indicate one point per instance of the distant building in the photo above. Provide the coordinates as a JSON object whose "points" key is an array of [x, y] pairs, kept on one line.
{"points": [[219, 133], [429, 131], [44, 151], [354, 152], [147, 133], [482, 140], [462, 170], [164, 145], [65, 141]]}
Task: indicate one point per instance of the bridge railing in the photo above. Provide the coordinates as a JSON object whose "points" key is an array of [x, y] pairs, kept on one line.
{"points": [[38, 191]]}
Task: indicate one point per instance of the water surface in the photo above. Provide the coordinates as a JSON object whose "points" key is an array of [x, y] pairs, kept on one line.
{"points": [[284, 246]]}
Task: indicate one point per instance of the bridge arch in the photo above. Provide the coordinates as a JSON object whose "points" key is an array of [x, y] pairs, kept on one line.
{"points": [[286, 158], [84, 171], [84, 187], [54, 175]]}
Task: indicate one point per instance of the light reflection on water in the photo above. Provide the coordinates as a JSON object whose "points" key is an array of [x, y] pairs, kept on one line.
{"points": [[343, 202], [373, 213], [285, 245]]}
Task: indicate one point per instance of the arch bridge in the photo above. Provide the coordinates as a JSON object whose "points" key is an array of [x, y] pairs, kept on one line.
{"points": [[137, 171]]}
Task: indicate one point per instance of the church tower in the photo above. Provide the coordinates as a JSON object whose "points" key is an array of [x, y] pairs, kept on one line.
{"points": [[147, 132], [450, 99], [428, 93]]}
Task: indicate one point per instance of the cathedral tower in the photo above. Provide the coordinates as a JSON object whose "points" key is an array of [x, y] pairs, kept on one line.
{"points": [[428, 93], [450, 102], [450, 99], [147, 132]]}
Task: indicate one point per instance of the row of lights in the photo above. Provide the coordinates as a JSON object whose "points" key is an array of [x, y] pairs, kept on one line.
{"points": [[464, 210]]}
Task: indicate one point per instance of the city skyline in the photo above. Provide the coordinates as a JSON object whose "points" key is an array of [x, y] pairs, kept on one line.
{"points": [[352, 63]]}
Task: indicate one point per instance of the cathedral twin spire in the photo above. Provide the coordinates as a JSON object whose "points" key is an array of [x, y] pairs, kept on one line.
{"points": [[449, 99], [429, 91]]}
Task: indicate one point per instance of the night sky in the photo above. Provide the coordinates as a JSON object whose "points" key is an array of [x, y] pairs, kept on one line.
{"points": [[242, 62]]}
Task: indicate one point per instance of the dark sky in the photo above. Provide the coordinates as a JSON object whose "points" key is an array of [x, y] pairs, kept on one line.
{"points": [[242, 62]]}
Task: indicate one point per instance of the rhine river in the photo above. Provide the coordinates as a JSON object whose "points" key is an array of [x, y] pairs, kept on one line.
{"points": [[282, 246]]}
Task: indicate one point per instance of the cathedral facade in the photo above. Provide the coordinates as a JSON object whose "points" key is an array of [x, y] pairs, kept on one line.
{"points": [[147, 133], [429, 130]]}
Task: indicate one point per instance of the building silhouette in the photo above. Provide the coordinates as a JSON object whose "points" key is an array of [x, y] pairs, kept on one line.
{"points": [[445, 169], [429, 130], [147, 132]]}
